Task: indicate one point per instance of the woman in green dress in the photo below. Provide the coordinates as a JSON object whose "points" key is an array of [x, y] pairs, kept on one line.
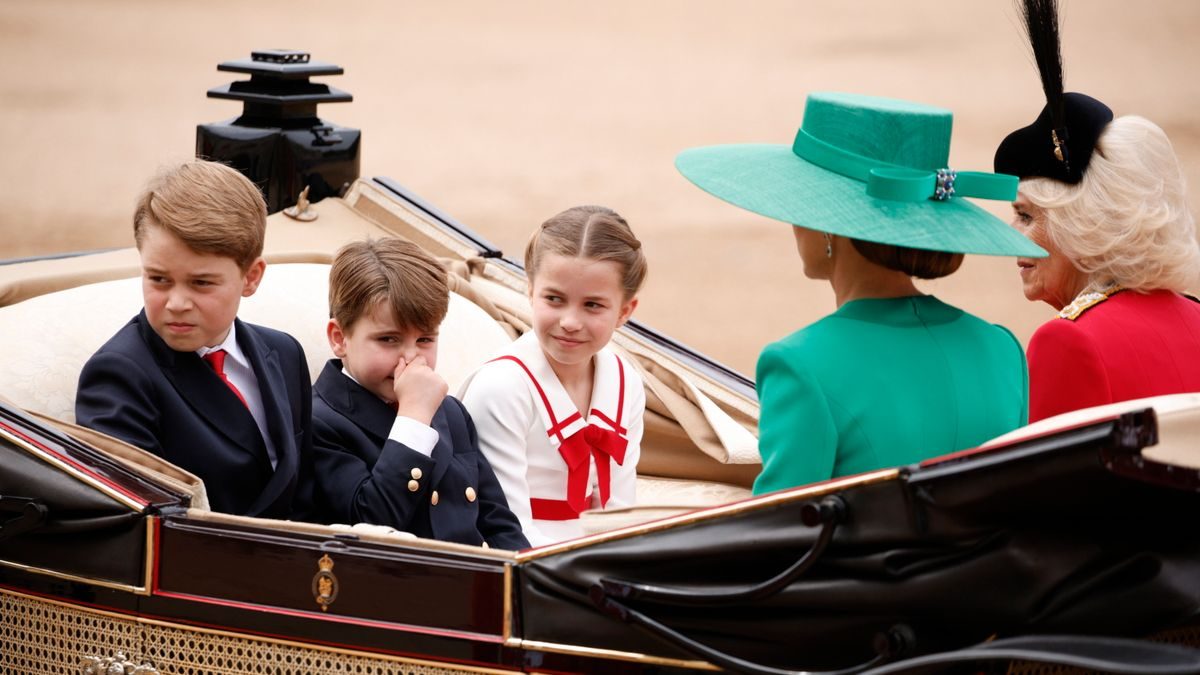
{"points": [[893, 376]]}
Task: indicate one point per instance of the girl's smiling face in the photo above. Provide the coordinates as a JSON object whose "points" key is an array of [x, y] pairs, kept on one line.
{"points": [[577, 304], [1054, 280]]}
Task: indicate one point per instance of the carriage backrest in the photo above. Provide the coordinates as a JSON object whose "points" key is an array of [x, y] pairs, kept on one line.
{"points": [[50, 337]]}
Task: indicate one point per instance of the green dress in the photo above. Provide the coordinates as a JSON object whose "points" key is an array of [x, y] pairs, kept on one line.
{"points": [[882, 383]]}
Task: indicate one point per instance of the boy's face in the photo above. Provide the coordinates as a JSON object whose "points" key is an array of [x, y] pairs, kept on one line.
{"points": [[191, 298], [372, 348]]}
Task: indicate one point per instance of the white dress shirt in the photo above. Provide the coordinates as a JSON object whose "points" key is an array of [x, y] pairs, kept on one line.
{"points": [[241, 374]]}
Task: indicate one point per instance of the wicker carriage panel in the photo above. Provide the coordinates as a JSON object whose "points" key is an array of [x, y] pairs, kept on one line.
{"points": [[41, 636]]}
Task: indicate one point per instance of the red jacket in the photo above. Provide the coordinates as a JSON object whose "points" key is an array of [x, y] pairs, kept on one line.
{"points": [[1129, 345]]}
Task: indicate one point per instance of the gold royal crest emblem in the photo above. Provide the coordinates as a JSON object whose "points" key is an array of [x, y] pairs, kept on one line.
{"points": [[325, 583]]}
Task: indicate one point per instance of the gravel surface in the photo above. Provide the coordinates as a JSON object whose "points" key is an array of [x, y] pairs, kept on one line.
{"points": [[505, 113]]}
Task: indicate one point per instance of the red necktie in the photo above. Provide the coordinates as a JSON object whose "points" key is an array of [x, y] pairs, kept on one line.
{"points": [[216, 359]]}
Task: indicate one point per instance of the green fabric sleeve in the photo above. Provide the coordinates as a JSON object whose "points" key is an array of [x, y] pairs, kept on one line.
{"points": [[797, 435]]}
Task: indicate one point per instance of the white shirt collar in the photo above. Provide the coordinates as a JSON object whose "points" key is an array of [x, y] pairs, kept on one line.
{"points": [[230, 345], [607, 389]]}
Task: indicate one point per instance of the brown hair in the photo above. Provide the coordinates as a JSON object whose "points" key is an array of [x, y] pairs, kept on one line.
{"points": [[592, 232], [209, 206], [391, 270], [915, 262]]}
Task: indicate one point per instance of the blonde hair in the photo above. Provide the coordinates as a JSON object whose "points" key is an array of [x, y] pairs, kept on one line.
{"points": [[1127, 221], [209, 206], [594, 233], [391, 270]]}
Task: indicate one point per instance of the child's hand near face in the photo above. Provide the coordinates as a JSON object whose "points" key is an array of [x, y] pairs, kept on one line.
{"points": [[419, 391]]}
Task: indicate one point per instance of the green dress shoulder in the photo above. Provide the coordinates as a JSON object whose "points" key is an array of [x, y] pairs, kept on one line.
{"points": [[881, 383]]}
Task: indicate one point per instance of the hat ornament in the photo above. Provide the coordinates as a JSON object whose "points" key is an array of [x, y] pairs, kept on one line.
{"points": [[901, 183], [1059, 137], [1059, 144]]}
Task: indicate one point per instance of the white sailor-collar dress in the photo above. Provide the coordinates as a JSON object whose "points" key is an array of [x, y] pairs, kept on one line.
{"points": [[552, 460]]}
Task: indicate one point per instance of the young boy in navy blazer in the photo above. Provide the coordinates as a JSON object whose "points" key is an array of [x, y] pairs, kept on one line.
{"points": [[391, 447], [185, 379]]}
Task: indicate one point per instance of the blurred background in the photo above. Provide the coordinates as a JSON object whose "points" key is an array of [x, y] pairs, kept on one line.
{"points": [[502, 114]]}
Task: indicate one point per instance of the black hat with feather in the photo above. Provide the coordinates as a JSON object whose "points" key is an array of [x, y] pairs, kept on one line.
{"points": [[1060, 142]]}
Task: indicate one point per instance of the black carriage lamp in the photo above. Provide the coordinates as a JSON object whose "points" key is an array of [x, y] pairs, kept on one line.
{"points": [[279, 142]]}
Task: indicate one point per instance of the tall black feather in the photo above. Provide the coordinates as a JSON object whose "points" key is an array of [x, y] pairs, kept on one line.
{"points": [[1041, 25], [1060, 142]]}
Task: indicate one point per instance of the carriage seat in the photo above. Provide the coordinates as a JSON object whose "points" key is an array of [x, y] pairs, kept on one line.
{"points": [[55, 334], [51, 336]]}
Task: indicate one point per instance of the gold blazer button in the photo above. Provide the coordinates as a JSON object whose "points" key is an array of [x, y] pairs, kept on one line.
{"points": [[433, 498], [416, 473], [413, 486], [470, 494]]}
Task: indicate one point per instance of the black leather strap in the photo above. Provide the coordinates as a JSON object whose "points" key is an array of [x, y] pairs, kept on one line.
{"points": [[828, 513]]}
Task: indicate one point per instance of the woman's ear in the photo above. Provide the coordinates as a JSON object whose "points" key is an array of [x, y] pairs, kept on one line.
{"points": [[337, 338]]}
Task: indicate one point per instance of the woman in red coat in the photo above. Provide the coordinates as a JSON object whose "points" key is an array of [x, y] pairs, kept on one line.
{"points": [[1106, 198]]}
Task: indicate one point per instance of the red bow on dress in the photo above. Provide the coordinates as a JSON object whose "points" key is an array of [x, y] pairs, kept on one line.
{"points": [[590, 441]]}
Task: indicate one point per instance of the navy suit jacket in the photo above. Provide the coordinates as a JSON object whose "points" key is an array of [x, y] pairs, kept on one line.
{"points": [[366, 477], [171, 403]]}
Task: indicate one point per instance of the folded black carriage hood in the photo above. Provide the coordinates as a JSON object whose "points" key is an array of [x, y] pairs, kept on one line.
{"points": [[71, 511], [1073, 532]]}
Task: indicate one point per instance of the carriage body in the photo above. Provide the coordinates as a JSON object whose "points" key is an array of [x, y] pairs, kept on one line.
{"points": [[111, 556]]}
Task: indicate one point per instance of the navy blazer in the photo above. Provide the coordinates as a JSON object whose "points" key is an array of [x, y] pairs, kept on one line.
{"points": [[363, 476], [171, 403]]}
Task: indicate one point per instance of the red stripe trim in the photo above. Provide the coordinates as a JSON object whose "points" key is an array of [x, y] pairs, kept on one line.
{"points": [[616, 424], [82, 468], [249, 633], [553, 509], [554, 425], [616, 427], [154, 570], [932, 461], [556, 430], [318, 616]]}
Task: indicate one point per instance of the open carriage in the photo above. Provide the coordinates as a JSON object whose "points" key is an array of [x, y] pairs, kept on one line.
{"points": [[1080, 526], [1067, 542]]}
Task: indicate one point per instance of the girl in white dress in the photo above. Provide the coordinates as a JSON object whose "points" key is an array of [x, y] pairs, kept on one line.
{"points": [[559, 414]]}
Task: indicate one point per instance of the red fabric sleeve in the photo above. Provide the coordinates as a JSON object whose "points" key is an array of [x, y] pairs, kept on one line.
{"points": [[1066, 371]]}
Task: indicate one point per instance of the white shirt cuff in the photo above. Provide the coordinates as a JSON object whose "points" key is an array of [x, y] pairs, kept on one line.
{"points": [[409, 432]]}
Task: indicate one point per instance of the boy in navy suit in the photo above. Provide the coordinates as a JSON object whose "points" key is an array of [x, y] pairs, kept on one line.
{"points": [[391, 448], [185, 379]]}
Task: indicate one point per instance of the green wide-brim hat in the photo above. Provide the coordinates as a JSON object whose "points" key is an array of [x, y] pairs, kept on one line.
{"points": [[868, 168]]}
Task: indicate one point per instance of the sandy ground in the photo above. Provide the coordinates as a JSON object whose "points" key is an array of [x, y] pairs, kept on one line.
{"points": [[505, 113]]}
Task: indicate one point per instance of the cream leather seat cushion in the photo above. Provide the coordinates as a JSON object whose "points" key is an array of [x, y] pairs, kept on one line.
{"points": [[48, 338], [1177, 416]]}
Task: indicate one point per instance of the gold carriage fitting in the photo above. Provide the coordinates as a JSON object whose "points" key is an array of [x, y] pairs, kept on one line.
{"points": [[325, 583]]}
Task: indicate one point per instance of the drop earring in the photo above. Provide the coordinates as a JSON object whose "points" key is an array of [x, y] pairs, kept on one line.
{"points": [[828, 245]]}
